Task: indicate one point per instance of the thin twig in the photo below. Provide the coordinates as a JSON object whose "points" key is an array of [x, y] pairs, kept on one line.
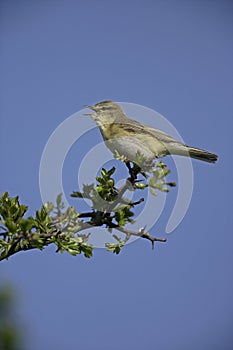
{"points": [[141, 233]]}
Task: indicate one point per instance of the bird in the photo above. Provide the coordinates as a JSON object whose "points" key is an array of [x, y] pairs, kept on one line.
{"points": [[129, 137]]}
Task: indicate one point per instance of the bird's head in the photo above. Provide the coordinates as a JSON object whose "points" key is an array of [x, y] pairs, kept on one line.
{"points": [[106, 112]]}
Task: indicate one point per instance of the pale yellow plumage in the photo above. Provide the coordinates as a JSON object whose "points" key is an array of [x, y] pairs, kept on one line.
{"points": [[129, 137]]}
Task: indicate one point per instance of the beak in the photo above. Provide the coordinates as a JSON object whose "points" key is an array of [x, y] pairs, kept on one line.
{"points": [[90, 107], [93, 115]]}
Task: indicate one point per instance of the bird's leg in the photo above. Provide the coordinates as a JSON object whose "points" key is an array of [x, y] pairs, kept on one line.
{"points": [[133, 172]]}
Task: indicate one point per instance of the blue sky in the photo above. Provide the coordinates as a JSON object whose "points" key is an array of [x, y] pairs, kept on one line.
{"points": [[171, 56]]}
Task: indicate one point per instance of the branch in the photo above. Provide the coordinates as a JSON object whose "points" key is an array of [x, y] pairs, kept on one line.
{"points": [[22, 243], [54, 224], [141, 233], [129, 183]]}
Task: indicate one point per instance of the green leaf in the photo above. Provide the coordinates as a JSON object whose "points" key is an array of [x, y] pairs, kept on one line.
{"points": [[73, 245], [87, 250], [49, 207], [59, 201], [140, 160], [123, 214], [115, 247], [111, 171], [26, 225], [42, 221], [103, 172], [76, 194], [10, 225], [107, 174], [141, 186]]}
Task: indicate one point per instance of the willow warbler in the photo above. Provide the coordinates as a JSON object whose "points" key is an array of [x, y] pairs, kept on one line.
{"points": [[130, 138]]}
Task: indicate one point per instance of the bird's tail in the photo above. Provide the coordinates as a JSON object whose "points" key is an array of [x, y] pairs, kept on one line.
{"points": [[201, 154]]}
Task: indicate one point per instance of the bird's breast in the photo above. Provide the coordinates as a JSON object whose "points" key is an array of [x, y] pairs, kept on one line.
{"points": [[129, 143]]}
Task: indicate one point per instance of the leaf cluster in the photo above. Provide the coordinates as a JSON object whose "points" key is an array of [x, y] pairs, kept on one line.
{"points": [[55, 224], [20, 233]]}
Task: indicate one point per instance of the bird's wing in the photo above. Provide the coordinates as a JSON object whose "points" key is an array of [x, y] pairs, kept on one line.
{"points": [[158, 134]]}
